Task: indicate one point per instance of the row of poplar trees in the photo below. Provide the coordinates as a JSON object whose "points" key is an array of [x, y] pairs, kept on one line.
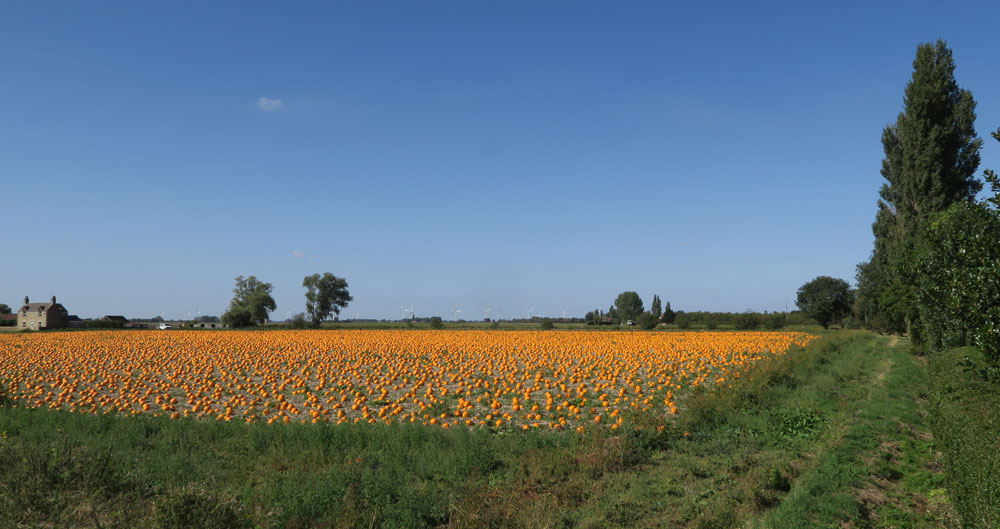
{"points": [[932, 153]]}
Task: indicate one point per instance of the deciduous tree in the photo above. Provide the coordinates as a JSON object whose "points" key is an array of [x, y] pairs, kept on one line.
{"points": [[628, 306], [326, 295], [251, 303], [656, 308], [826, 300], [931, 156]]}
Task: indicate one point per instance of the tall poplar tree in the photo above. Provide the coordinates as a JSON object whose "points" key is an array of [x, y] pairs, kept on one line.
{"points": [[931, 156]]}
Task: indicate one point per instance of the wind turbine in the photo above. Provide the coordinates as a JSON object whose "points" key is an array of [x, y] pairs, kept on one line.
{"points": [[564, 313], [486, 312], [453, 314], [530, 316], [288, 315], [405, 310], [498, 313]]}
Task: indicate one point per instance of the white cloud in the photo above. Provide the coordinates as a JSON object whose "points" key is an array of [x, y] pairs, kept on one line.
{"points": [[298, 254], [269, 105]]}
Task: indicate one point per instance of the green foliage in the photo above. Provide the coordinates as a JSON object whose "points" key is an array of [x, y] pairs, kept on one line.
{"points": [[547, 324], [959, 281], [196, 506], [656, 308], [298, 321], [826, 300], [628, 306], [682, 320], [747, 321], [238, 316], [648, 321], [774, 321], [966, 419], [668, 315], [251, 303], [799, 422], [931, 155], [4, 309], [436, 322], [325, 295]]}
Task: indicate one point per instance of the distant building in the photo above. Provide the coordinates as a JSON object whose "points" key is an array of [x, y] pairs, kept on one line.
{"points": [[207, 325], [121, 320], [37, 316]]}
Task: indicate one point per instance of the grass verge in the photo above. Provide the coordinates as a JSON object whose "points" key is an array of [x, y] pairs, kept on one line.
{"points": [[966, 404]]}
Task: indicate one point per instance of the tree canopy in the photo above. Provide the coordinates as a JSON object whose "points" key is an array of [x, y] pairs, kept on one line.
{"points": [[251, 303], [931, 156], [826, 300], [656, 308], [628, 306], [326, 294], [4, 309]]}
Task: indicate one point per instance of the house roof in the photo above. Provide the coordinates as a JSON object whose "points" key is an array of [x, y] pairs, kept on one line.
{"points": [[115, 318], [45, 307]]}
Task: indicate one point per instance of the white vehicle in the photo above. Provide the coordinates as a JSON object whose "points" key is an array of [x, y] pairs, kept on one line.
{"points": [[164, 326]]}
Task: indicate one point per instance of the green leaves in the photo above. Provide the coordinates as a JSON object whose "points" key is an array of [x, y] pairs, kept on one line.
{"points": [[931, 156], [628, 306], [326, 294], [251, 303], [825, 299]]}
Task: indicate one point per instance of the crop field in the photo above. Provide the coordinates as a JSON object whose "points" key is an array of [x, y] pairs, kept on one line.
{"points": [[447, 379]]}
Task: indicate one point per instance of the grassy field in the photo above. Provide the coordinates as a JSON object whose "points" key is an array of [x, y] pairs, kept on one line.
{"points": [[831, 435]]}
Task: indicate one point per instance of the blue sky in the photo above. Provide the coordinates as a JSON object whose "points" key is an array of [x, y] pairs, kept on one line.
{"points": [[453, 154]]}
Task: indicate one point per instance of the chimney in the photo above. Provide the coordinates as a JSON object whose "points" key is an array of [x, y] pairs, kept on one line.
{"points": [[53, 300], [25, 300]]}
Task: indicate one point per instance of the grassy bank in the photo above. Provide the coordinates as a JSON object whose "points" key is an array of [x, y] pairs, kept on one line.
{"points": [[966, 404], [828, 435]]}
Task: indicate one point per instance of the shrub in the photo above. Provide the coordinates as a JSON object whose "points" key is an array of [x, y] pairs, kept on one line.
{"points": [[648, 321], [682, 320], [298, 321], [959, 280], [748, 320], [547, 324], [436, 322], [773, 321]]}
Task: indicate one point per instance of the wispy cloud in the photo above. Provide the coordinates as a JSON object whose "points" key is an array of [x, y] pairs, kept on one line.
{"points": [[299, 254], [269, 105]]}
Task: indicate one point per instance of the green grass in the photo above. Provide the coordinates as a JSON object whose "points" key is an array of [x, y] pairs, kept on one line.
{"points": [[966, 406], [828, 435]]}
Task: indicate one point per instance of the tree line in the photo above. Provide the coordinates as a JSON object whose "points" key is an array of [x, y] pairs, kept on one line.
{"points": [[934, 270], [628, 308]]}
